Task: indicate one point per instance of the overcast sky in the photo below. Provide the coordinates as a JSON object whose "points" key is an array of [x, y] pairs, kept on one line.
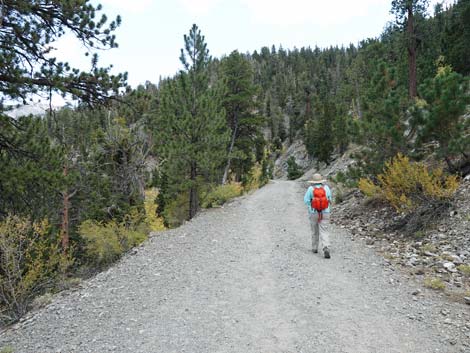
{"points": [[151, 34]]}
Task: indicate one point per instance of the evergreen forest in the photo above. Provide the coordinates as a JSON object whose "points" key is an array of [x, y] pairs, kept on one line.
{"points": [[82, 185]]}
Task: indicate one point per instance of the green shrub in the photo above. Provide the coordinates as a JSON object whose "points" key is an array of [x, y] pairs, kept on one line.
{"points": [[31, 261], [419, 234], [177, 210], [106, 242], [293, 169], [340, 178], [352, 176], [349, 178], [267, 167], [277, 144], [221, 194]]}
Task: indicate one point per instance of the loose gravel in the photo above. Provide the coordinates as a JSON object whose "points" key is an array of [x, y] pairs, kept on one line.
{"points": [[242, 278]]}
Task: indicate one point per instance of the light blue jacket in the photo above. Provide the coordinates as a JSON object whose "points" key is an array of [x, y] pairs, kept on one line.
{"points": [[309, 196]]}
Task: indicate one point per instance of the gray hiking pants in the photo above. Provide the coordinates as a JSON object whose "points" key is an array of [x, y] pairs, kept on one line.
{"points": [[320, 231]]}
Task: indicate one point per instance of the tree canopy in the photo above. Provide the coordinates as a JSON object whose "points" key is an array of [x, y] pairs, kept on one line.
{"points": [[191, 124], [28, 30]]}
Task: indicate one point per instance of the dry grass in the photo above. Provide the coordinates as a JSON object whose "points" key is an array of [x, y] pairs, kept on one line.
{"points": [[434, 283]]}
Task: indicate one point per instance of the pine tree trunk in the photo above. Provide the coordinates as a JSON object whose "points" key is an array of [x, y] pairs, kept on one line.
{"points": [[450, 165], [193, 199], [65, 217], [358, 100], [307, 106], [232, 143], [413, 91]]}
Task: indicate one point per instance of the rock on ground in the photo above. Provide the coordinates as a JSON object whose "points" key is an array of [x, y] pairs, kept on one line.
{"points": [[439, 251]]}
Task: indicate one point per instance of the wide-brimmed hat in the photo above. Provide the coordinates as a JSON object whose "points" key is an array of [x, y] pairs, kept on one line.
{"points": [[317, 179]]}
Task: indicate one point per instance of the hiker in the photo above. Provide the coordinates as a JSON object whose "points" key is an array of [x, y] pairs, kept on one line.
{"points": [[318, 199]]}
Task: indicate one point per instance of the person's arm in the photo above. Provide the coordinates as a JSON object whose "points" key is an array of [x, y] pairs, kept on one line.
{"points": [[329, 195], [308, 197]]}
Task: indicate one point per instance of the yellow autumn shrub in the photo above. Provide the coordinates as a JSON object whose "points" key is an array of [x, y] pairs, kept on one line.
{"points": [[155, 223], [106, 242], [368, 188], [30, 262], [221, 194], [254, 181], [407, 185]]}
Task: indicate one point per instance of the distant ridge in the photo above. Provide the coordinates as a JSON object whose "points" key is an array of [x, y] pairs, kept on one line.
{"points": [[36, 109]]}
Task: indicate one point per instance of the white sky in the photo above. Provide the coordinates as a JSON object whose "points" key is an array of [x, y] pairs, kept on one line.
{"points": [[151, 34]]}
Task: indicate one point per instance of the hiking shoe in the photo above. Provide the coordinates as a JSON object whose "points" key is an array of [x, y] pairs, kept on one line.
{"points": [[326, 252], [315, 251]]}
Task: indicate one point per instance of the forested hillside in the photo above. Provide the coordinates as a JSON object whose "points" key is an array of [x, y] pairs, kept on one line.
{"points": [[84, 184]]}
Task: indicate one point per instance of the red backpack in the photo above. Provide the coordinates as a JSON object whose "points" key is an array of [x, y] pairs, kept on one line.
{"points": [[319, 200]]}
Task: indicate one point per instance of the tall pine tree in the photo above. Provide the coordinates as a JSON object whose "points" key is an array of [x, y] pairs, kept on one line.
{"points": [[192, 126], [406, 12], [239, 103]]}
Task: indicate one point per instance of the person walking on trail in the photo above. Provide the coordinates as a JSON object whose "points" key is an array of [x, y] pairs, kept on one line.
{"points": [[318, 199]]}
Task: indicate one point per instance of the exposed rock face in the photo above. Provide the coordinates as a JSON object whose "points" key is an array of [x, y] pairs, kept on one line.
{"points": [[339, 163], [299, 152], [308, 165]]}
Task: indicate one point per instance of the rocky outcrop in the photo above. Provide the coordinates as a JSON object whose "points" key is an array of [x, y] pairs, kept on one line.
{"points": [[299, 152], [310, 166]]}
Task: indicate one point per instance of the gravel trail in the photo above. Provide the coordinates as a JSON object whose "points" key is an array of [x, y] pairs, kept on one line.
{"points": [[241, 279]]}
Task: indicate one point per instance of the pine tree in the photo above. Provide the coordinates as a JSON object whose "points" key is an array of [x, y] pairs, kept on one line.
{"points": [[382, 129], [102, 159], [293, 169], [192, 127], [239, 103], [406, 12], [319, 139], [455, 37], [442, 120], [138, 105], [27, 30], [31, 172], [341, 131]]}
